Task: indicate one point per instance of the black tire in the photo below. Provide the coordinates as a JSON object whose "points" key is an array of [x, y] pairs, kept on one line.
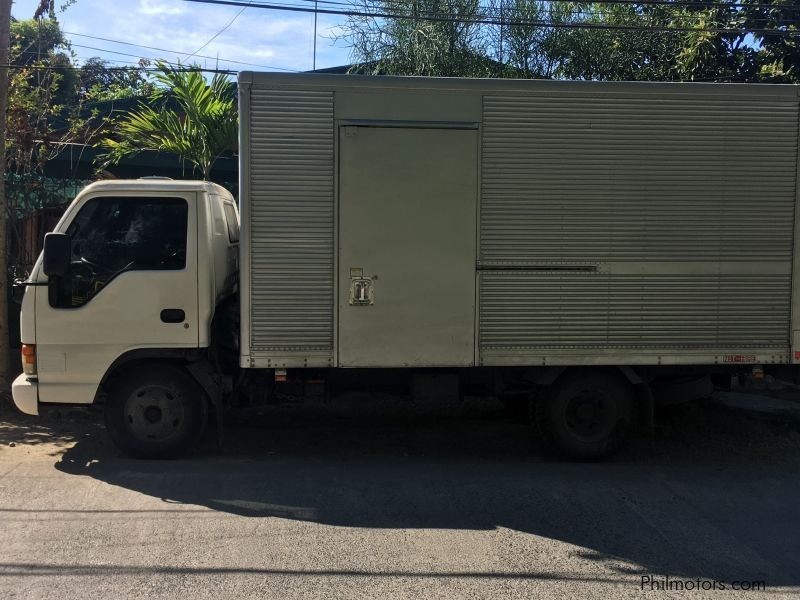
{"points": [[518, 401], [155, 411], [516, 405], [586, 414]]}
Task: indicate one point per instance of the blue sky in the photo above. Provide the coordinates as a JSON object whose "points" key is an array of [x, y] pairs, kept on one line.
{"points": [[271, 39]]}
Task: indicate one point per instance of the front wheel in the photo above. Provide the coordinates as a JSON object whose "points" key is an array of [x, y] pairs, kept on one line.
{"points": [[155, 411], [587, 415]]}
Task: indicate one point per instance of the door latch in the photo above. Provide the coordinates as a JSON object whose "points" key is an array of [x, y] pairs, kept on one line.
{"points": [[361, 291]]}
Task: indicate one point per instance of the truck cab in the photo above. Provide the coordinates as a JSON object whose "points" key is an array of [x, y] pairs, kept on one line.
{"points": [[133, 273]]}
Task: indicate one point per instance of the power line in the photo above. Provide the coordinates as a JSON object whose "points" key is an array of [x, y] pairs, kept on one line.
{"points": [[478, 19], [133, 63], [220, 32], [113, 41], [696, 4], [117, 52], [499, 12], [179, 68], [176, 66], [113, 52], [688, 3]]}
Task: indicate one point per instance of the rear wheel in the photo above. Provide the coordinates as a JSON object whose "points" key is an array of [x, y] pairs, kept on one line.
{"points": [[155, 411], [587, 415]]}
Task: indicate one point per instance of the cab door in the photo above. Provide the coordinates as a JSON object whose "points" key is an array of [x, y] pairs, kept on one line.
{"points": [[132, 284]]}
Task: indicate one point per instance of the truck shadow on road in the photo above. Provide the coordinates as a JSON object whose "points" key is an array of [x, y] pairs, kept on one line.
{"points": [[710, 501]]}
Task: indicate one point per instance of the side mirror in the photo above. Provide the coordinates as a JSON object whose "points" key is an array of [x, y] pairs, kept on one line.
{"points": [[18, 291], [57, 254]]}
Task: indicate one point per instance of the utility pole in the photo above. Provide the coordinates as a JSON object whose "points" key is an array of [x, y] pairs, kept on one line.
{"points": [[314, 60], [5, 51]]}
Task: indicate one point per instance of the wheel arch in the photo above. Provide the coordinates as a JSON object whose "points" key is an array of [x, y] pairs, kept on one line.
{"points": [[155, 410], [549, 375], [645, 402], [138, 356]]}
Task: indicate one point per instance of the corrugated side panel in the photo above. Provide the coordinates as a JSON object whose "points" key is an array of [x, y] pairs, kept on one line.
{"points": [[623, 183], [566, 309], [292, 221], [600, 179]]}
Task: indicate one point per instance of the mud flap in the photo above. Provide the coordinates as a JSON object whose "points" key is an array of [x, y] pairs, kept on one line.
{"points": [[647, 405], [199, 370]]}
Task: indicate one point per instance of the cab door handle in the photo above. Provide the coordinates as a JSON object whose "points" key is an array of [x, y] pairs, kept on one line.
{"points": [[173, 315]]}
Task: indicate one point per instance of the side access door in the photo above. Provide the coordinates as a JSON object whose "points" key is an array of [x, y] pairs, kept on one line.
{"points": [[132, 285], [407, 216]]}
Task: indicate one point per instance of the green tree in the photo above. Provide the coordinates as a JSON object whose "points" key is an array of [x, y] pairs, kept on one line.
{"points": [[674, 41], [99, 81], [452, 47], [520, 45], [778, 56], [42, 91], [622, 42], [39, 47], [190, 117]]}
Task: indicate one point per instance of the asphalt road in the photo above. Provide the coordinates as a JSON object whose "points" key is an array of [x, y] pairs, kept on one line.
{"points": [[322, 502]]}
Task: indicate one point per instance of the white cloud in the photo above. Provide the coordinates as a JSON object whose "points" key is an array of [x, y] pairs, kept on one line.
{"points": [[262, 37], [161, 7]]}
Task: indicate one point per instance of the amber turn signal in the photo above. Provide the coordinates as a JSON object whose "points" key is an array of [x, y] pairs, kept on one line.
{"points": [[29, 359]]}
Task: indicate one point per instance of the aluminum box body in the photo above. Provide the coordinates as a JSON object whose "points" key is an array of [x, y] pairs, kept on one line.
{"points": [[396, 222]]}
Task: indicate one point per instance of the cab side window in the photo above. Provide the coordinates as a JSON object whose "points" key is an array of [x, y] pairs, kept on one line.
{"points": [[232, 220], [112, 235]]}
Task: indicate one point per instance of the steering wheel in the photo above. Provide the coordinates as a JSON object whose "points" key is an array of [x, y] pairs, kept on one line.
{"points": [[82, 269], [95, 266]]}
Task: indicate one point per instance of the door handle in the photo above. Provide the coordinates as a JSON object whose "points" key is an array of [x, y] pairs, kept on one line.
{"points": [[173, 315]]}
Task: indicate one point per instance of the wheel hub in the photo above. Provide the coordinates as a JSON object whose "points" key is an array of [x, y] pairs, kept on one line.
{"points": [[586, 411], [154, 413], [589, 415]]}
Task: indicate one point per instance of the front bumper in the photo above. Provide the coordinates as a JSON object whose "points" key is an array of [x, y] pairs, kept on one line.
{"points": [[26, 395]]}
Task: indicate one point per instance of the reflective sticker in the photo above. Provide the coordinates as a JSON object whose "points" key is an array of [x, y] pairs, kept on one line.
{"points": [[739, 358]]}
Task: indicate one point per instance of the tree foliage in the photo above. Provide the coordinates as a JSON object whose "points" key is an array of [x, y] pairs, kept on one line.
{"points": [[39, 49], [419, 47], [191, 117], [49, 97], [99, 81], [42, 90], [778, 57], [674, 41]]}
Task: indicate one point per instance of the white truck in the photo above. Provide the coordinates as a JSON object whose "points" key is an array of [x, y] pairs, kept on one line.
{"points": [[579, 246]]}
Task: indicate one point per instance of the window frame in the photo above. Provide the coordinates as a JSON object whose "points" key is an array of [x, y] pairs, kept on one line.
{"points": [[228, 223], [72, 215]]}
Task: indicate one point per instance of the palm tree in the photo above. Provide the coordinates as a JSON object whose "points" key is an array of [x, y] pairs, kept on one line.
{"points": [[191, 117]]}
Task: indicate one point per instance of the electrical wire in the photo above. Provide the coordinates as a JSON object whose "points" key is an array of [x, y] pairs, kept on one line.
{"points": [[154, 48], [221, 31], [478, 19], [179, 68], [696, 4], [173, 65], [690, 4], [499, 12], [115, 52]]}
